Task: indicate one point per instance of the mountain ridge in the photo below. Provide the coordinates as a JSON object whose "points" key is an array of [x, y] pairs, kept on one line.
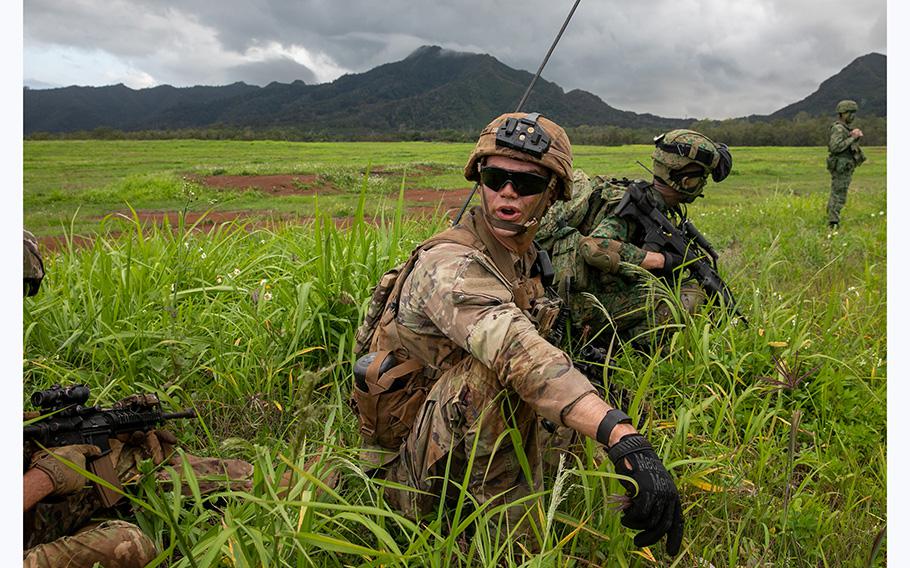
{"points": [[432, 89]]}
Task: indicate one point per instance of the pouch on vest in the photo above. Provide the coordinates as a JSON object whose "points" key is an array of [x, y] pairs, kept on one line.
{"points": [[381, 292], [387, 395]]}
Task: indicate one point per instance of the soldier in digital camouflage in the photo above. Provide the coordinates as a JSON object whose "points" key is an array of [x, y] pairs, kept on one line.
{"points": [[465, 324], [844, 156], [600, 257], [66, 521]]}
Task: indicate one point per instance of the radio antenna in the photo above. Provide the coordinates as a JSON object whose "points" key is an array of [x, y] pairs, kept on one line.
{"points": [[524, 97]]}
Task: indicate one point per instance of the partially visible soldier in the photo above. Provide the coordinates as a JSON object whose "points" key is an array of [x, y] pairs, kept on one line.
{"points": [[459, 359], [844, 156], [59, 505], [589, 242], [32, 265]]}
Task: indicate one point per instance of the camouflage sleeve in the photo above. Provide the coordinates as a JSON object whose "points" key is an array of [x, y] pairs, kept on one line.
{"points": [[840, 139], [467, 299], [616, 229]]}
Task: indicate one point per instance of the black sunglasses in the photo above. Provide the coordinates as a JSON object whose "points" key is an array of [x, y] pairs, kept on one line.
{"points": [[525, 183]]}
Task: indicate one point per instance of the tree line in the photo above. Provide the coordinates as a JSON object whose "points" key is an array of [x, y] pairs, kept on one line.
{"points": [[800, 131]]}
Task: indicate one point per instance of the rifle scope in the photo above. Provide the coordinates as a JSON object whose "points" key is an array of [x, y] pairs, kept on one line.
{"points": [[57, 396]]}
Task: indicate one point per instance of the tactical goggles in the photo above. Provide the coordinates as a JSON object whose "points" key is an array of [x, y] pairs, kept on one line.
{"points": [[690, 181], [719, 172], [524, 183], [700, 155]]}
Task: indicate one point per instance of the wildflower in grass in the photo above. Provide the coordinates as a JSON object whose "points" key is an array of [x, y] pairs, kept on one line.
{"points": [[263, 282], [218, 280], [880, 213], [236, 272], [267, 296], [202, 256], [790, 373]]}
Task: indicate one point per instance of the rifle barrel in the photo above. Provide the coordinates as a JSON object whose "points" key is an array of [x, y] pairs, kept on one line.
{"points": [[185, 413]]}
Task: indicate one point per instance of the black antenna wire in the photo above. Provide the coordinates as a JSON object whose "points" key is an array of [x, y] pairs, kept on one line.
{"points": [[524, 97]]}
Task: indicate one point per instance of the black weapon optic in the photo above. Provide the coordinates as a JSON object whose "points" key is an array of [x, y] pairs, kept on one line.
{"points": [[58, 396]]}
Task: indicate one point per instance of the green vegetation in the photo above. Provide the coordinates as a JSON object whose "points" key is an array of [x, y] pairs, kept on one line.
{"points": [[774, 432], [802, 130]]}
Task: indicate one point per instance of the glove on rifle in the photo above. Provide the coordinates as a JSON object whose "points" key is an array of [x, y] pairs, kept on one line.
{"points": [[65, 479], [672, 261], [656, 509]]}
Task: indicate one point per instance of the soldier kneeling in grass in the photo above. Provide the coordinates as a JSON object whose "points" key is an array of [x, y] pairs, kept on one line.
{"points": [[457, 354]]}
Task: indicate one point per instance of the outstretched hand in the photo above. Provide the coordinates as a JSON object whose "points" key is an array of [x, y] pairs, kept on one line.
{"points": [[655, 509]]}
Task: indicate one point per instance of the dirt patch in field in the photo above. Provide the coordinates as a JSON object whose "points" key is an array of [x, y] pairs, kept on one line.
{"points": [[418, 203], [283, 184], [423, 202]]}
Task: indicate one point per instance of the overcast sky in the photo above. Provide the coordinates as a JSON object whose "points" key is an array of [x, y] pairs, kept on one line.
{"points": [[674, 58]]}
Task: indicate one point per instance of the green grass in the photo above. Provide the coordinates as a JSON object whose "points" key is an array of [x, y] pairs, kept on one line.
{"points": [[254, 327], [79, 182]]}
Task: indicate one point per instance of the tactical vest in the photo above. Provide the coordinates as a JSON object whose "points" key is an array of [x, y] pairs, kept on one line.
{"points": [[391, 396], [849, 157], [567, 222]]}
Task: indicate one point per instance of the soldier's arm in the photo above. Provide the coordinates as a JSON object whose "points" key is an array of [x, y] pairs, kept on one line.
{"points": [[840, 139], [36, 485], [616, 229], [473, 307], [608, 244]]}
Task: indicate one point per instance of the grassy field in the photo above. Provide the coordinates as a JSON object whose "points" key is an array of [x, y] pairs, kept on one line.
{"points": [[775, 432]]}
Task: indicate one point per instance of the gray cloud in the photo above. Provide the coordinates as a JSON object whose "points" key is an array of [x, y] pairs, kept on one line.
{"points": [[283, 70], [710, 58]]}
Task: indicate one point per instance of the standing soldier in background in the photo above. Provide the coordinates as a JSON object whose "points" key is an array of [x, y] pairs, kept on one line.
{"points": [[844, 155]]}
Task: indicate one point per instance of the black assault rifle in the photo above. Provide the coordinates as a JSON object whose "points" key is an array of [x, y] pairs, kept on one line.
{"points": [[68, 421], [684, 240]]}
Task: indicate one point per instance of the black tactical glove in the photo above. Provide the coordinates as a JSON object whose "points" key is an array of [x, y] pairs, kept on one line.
{"points": [[655, 510], [672, 261]]}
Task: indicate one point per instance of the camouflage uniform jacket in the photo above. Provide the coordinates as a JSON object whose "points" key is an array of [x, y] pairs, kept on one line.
{"points": [[590, 213], [844, 150], [462, 299], [589, 246], [627, 233]]}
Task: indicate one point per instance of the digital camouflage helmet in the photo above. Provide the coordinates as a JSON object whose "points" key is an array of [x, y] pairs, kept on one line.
{"points": [[677, 149], [846, 106]]}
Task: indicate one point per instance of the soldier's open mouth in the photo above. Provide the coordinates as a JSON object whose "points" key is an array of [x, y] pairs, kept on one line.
{"points": [[508, 213]]}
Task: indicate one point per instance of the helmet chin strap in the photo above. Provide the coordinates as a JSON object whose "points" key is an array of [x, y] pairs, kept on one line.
{"points": [[524, 232]]}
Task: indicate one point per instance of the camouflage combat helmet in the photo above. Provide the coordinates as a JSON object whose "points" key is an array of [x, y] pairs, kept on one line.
{"points": [[528, 137], [32, 266], [677, 149], [846, 106]]}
